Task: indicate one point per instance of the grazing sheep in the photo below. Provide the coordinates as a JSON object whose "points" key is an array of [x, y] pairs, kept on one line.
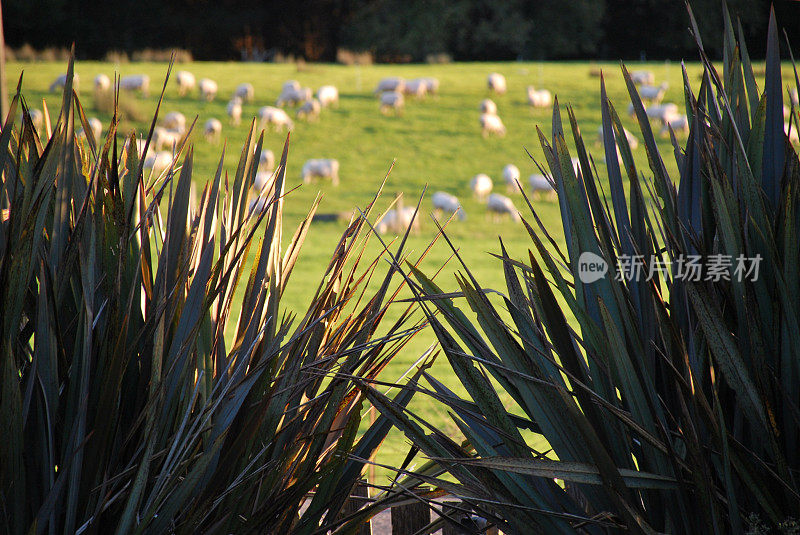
{"points": [[158, 162], [290, 84], [539, 98], [496, 82], [657, 111], [309, 110], [245, 92], [416, 87], [139, 146], [234, 109], [392, 101], [500, 205], [256, 206], [163, 138], [37, 118], [328, 95], [679, 122], [136, 82], [61, 81], [185, 81], [511, 176], [262, 180], [174, 120], [793, 136], [102, 83], [398, 220], [431, 84], [445, 202], [654, 94], [540, 184], [643, 77], [481, 186], [321, 168], [393, 85], [488, 106], [792, 95], [492, 124], [208, 89], [633, 141], [294, 96], [274, 116], [266, 160], [96, 126], [212, 130]]}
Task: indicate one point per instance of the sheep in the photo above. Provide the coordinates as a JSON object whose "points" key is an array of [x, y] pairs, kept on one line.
{"points": [[511, 175], [266, 160], [679, 122], [37, 118], [791, 131], [500, 205], [633, 141], [321, 168], [417, 88], [445, 202], [481, 186], [158, 162], [136, 82], [234, 110], [492, 124], [262, 180], [290, 85], [139, 147], [309, 110], [328, 95], [212, 130], [540, 184], [96, 126], [654, 94], [185, 81], [102, 83], [274, 116], [208, 89], [643, 77], [398, 220], [394, 85], [61, 81], [244, 92], [540, 98], [165, 138], [431, 85], [294, 96], [488, 106], [174, 120], [792, 95], [392, 101], [657, 111], [256, 206], [496, 82]]}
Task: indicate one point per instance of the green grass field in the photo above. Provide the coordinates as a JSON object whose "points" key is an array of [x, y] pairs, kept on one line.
{"points": [[436, 142]]}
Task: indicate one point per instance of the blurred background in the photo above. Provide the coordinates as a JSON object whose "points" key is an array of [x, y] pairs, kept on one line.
{"points": [[399, 31]]}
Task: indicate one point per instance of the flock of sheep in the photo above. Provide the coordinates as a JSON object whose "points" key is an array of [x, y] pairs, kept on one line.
{"points": [[392, 93]]}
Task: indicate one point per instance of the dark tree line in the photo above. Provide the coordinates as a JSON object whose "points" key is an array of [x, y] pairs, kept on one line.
{"points": [[394, 30]]}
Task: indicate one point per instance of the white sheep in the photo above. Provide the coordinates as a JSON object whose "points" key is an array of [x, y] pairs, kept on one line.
{"points": [[208, 89], [643, 77], [492, 124], [256, 206], [398, 220], [481, 186], [539, 98], [294, 96], [488, 106], [794, 96], [445, 202], [37, 118], [657, 111], [496, 82], [97, 127], [212, 130], [158, 162], [511, 176], [234, 110], [653, 93], [185, 81], [136, 82], [328, 95], [540, 184], [392, 101], [102, 83], [139, 146], [270, 115], [309, 110], [679, 122], [174, 120], [633, 141], [266, 160], [321, 168], [245, 92], [394, 84], [500, 205], [432, 85], [290, 84], [793, 136], [61, 81], [262, 180], [164, 138], [416, 88]]}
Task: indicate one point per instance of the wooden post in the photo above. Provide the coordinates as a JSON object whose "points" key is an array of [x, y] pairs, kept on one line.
{"points": [[3, 86], [358, 498], [450, 527], [408, 519]]}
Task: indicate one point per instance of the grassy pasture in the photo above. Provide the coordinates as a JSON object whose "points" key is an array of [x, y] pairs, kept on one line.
{"points": [[435, 142]]}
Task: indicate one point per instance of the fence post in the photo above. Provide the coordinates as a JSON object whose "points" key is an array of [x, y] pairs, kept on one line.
{"points": [[407, 519], [359, 497]]}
